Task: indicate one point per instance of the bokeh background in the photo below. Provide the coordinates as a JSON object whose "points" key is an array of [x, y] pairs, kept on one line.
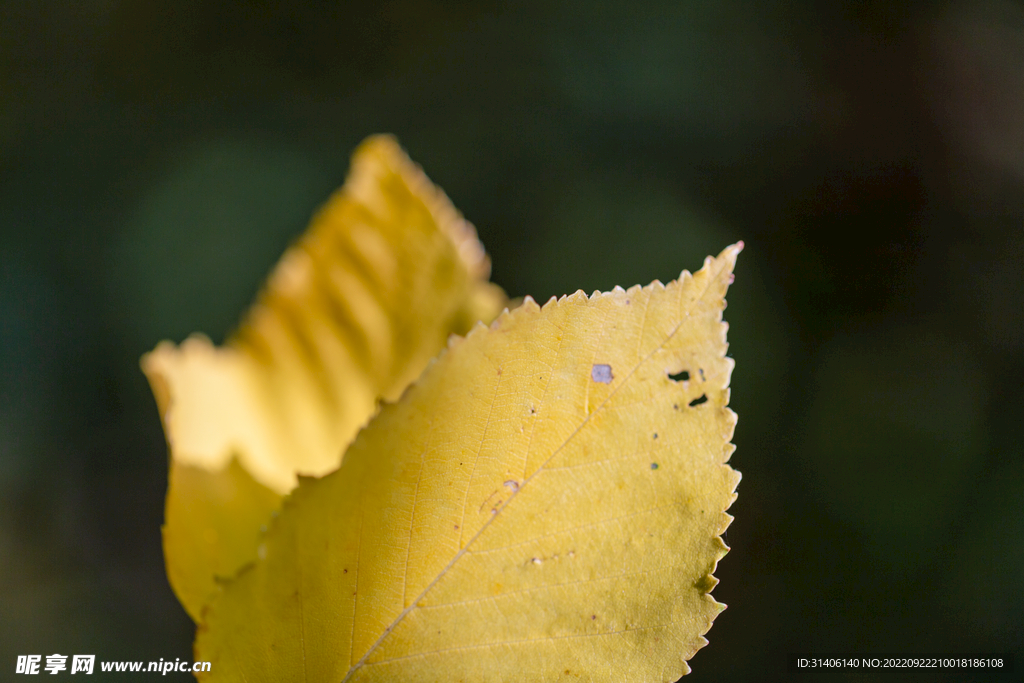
{"points": [[157, 156]]}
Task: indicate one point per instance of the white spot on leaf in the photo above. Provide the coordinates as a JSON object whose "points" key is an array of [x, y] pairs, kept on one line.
{"points": [[601, 373]]}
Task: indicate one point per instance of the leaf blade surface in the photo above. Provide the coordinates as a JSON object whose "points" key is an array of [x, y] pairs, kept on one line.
{"points": [[352, 313], [514, 515]]}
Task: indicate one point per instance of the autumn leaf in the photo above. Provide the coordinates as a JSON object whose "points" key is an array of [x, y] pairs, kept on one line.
{"points": [[352, 313], [213, 523], [545, 501]]}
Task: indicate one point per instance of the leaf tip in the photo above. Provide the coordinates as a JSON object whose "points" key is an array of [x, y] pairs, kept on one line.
{"points": [[730, 253]]}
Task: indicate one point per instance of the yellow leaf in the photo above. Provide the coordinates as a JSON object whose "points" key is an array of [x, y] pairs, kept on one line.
{"points": [[352, 313], [547, 499], [214, 525]]}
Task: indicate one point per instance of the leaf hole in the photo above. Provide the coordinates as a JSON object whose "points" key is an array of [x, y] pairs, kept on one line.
{"points": [[683, 376], [697, 401]]}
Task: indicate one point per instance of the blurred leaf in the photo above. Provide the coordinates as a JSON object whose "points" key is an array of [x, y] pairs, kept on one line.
{"points": [[547, 500], [352, 313], [214, 521]]}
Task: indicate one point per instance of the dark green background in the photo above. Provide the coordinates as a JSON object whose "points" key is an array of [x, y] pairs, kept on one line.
{"points": [[157, 156]]}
